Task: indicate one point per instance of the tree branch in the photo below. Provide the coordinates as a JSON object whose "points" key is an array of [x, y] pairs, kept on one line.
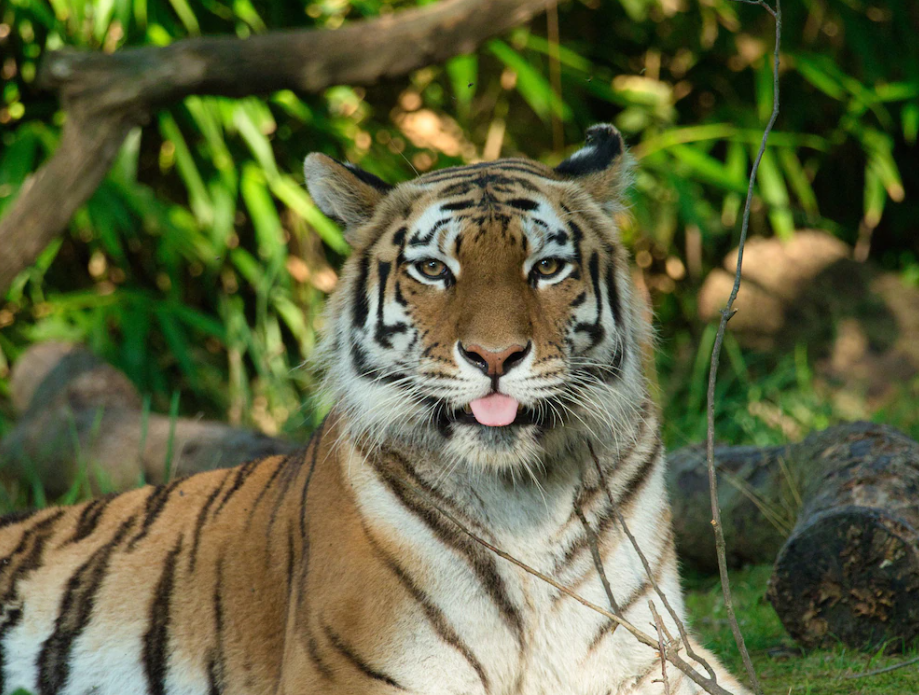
{"points": [[726, 315], [105, 95]]}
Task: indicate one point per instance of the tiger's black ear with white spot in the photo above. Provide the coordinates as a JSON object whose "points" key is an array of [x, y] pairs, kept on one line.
{"points": [[343, 191], [602, 167]]}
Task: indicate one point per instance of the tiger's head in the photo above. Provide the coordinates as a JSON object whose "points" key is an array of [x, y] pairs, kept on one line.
{"points": [[487, 314]]}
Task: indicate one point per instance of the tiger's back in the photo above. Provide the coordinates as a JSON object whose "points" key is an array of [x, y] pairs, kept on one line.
{"points": [[484, 350], [154, 587]]}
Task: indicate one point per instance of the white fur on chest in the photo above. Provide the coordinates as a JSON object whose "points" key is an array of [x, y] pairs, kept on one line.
{"points": [[553, 653]]}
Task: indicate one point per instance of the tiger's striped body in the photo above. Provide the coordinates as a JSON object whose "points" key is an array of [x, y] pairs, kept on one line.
{"points": [[341, 569]]}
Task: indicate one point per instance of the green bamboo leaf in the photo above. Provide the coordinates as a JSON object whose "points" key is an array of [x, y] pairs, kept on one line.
{"points": [[293, 105], [262, 211], [293, 318], [897, 91], [707, 168], [879, 147], [186, 16], [246, 11], [178, 342], [772, 187], [198, 198], [248, 267], [736, 165], [685, 135], [532, 86], [205, 114], [800, 184], [910, 118], [297, 199], [875, 197], [815, 72], [566, 56], [199, 321], [253, 119], [463, 72], [103, 10]]}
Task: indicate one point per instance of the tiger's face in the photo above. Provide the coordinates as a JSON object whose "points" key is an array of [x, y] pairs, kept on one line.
{"points": [[487, 314]]}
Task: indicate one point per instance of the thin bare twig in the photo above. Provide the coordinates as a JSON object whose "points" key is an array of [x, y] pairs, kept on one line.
{"points": [[886, 669], [726, 315], [761, 3], [659, 624], [598, 560], [684, 636]]}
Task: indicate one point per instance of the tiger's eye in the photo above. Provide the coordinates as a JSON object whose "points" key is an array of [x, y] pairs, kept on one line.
{"points": [[431, 268], [548, 266]]}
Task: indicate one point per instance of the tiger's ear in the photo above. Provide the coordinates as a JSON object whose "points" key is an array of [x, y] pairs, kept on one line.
{"points": [[602, 167], [343, 191]]}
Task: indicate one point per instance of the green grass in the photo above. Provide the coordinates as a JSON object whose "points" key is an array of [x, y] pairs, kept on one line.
{"points": [[783, 668]]}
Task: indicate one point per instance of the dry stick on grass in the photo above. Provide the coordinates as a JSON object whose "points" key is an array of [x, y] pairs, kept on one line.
{"points": [[707, 684], [886, 669], [106, 95], [726, 314]]}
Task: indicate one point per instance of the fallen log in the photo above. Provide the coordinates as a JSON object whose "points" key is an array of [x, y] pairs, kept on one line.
{"points": [[82, 419], [847, 499]]}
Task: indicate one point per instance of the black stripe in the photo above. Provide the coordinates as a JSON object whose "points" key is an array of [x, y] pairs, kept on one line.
{"points": [[384, 331], [398, 237], [75, 613], [368, 178], [607, 515], [578, 237], [291, 557], [364, 369], [482, 562], [421, 240], [266, 487], [612, 294], [202, 518], [156, 503], [639, 591], [156, 641], [242, 475], [361, 302], [90, 518], [312, 649], [292, 468], [346, 651], [594, 330], [637, 481], [459, 173], [34, 539], [435, 616], [522, 204], [309, 477], [17, 517], [458, 205], [216, 668], [213, 678]]}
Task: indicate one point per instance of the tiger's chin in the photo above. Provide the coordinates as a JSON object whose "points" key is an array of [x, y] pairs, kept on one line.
{"points": [[494, 448]]}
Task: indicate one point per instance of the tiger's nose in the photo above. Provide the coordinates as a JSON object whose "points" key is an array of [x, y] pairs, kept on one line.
{"points": [[495, 362]]}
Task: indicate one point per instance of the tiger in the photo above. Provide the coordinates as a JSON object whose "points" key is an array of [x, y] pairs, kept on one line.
{"points": [[483, 356]]}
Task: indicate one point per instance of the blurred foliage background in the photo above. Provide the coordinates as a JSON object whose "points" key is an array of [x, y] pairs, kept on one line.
{"points": [[200, 265]]}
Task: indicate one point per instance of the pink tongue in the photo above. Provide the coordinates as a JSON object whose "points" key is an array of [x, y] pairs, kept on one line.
{"points": [[495, 410]]}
